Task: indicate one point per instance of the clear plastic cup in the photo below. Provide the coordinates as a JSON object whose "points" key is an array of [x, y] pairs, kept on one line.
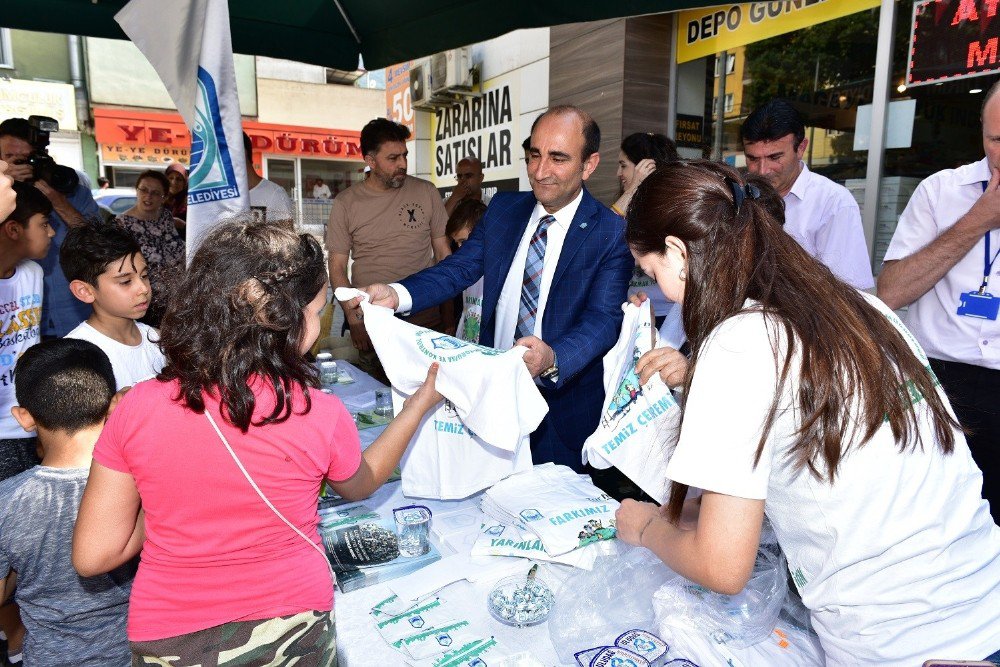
{"points": [[413, 529], [383, 402]]}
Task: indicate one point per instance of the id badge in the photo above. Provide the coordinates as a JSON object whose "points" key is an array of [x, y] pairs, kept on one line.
{"points": [[984, 306]]}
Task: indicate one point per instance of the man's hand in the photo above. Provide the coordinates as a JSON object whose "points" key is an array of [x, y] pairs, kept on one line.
{"points": [[986, 210], [8, 198], [20, 172], [359, 334], [539, 357], [378, 295], [668, 362]]}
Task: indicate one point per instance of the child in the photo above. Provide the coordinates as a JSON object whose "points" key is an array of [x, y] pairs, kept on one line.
{"points": [[24, 235], [63, 392], [224, 570], [106, 269], [462, 221]]}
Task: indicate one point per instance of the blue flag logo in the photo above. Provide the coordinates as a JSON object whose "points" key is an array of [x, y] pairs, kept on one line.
{"points": [[212, 176]]}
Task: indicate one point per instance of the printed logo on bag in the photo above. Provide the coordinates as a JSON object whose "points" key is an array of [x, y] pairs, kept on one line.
{"points": [[495, 530], [442, 348], [629, 388], [416, 621], [478, 662], [212, 176], [412, 215], [444, 639], [643, 645], [531, 515]]}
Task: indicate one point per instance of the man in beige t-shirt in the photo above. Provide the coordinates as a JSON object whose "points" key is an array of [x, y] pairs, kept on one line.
{"points": [[391, 224]]}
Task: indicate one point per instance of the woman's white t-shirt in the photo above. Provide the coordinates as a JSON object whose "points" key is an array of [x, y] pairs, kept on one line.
{"points": [[898, 559]]}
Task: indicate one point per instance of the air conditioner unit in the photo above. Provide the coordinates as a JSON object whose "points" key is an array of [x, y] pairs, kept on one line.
{"points": [[452, 72], [420, 84]]}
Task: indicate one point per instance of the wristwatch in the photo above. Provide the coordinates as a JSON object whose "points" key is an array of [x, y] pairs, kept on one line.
{"points": [[552, 372]]}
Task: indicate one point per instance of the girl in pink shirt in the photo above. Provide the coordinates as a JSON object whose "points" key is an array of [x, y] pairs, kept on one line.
{"points": [[220, 571]]}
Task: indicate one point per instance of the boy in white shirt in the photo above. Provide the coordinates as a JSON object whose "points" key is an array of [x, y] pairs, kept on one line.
{"points": [[106, 269]]}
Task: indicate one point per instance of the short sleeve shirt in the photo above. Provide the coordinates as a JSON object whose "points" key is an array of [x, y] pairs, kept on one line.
{"points": [[936, 205], [387, 233], [214, 552]]}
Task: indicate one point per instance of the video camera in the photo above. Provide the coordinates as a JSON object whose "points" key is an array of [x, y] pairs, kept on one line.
{"points": [[63, 179]]}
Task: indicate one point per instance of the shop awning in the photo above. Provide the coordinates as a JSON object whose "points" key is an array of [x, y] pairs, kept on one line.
{"points": [[384, 32]]}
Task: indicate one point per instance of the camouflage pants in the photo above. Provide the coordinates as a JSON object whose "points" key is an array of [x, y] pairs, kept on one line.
{"points": [[307, 639]]}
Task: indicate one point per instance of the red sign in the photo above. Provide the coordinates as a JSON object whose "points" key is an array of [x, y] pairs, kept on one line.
{"points": [[953, 39], [398, 105], [156, 139]]}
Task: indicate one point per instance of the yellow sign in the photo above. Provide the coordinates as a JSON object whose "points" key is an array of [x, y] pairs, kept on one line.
{"points": [[703, 32]]}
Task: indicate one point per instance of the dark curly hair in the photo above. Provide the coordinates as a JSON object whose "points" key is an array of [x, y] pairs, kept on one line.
{"points": [[237, 315]]}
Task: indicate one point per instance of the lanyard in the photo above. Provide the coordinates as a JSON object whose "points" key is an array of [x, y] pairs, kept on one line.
{"points": [[987, 260]]}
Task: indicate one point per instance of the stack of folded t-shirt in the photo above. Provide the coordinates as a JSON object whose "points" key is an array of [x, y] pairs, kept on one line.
{"points": [[561, 508]]}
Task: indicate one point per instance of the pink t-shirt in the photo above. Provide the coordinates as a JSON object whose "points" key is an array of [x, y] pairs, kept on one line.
{"points": [[214, 552]]}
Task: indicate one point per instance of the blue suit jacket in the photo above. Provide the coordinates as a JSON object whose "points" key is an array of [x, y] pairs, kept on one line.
{"points": [[583, 314]]}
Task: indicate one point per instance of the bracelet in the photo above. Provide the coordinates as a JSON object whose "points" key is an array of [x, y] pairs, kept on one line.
{"points": [[641, 532], [614, 207]]}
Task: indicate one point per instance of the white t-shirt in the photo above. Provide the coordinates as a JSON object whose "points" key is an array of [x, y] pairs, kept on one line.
{"points": [[898, 560], [131, 363], [321, 191], [825, 219], [273, 199], [476, 437], [20, 319], [472, 313], [936, 205]]}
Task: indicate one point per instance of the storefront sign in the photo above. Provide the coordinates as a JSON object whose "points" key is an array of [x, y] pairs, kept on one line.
{"points": [[703, 32], [134, 138], [952, 39], [690, 131], [398, 105], [20, 99], [483, 127]]}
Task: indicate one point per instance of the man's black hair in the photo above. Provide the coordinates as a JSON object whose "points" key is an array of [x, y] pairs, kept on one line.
{"points": [[29, 201], [89, 250], [772, 121], [65, 384], [16, 127], [591, 131], [379, 131]]}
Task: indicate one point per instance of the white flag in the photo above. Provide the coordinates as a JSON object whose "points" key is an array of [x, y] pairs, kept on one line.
{"points": [[189, 45]]}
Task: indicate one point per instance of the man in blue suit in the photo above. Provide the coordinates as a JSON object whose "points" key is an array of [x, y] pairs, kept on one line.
{"points": [[556, 271]]}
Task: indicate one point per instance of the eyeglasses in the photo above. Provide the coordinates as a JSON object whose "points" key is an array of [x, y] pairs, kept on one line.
{"points": [[156, 194]]}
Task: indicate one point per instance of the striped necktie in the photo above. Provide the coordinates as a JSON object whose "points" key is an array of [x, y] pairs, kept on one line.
{"points": [[532, 281]]}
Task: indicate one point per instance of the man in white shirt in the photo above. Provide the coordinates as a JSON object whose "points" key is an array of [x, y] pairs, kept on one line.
{"points": [[820, 214], [321, 190], [555, 271], [266, 197], [940, 263]]}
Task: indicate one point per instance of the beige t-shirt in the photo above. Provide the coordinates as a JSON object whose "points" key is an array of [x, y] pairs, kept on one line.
{"points": [[388, 233]]}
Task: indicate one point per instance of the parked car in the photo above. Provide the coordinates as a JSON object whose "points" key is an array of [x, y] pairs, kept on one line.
{"points": [[113, 201]]}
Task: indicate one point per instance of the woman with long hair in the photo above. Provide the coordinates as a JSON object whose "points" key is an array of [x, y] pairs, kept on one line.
{"points": [[808, 401], [225, 453], [153, 227]]}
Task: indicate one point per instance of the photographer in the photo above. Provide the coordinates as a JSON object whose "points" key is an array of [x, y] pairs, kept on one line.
{"points": [[23, 148]]}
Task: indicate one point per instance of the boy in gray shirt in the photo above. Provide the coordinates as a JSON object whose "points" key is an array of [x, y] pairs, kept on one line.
{"points": [[64, 389]]}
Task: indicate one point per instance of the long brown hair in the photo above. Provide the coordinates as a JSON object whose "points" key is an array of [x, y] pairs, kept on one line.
{"points": [[237, 315], [851, 354]]}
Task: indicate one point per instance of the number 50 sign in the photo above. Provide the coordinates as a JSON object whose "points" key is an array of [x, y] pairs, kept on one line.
{"points": [[398, 105]]}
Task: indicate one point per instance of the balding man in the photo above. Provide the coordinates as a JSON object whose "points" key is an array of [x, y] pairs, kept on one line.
{"points": [[469, 174], [941, 263], [555, 271]]}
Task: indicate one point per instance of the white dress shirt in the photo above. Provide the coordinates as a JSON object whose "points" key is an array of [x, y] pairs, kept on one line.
{"points": [[510, 295], [824, 218], [937, 204]]}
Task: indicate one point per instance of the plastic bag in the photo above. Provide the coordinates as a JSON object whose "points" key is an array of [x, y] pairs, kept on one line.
{"points": [[593, 608], [735, 620]]}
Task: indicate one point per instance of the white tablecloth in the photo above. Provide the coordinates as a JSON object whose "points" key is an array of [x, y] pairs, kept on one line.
{"points": [[359, 395]]}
